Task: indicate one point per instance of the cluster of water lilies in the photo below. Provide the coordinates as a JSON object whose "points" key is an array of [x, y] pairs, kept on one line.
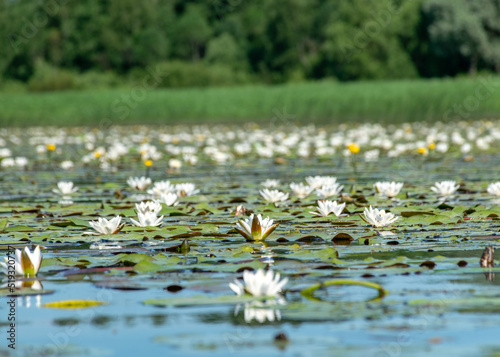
{"points": [[322, 198], [187, 146]]}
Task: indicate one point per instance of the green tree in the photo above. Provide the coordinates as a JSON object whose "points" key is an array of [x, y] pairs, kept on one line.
{"points": [[360, 40], [463, 35]]}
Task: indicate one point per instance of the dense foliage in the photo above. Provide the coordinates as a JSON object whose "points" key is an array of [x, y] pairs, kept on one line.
{"points": [[61, 44]]}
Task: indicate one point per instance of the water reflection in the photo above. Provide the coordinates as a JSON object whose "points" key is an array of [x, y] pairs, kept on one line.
{"points": [[267, 255], [261, 311], [66, 200], [27, 300], [105, 245]]}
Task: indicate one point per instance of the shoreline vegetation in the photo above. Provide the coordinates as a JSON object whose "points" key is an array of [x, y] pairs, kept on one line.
{"points": [[322, 102]]}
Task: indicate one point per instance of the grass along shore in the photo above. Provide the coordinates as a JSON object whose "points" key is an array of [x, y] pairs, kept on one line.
{"points": [[322, 102]]}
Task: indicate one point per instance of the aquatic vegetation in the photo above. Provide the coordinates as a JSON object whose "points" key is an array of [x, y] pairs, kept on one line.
{"points": [[105, 226], [379, 218], [327, 191], [148, 207], [270, 183], [259, 284], [186, 243], [445, 188], [169, 198], [147, 219], [186, 189], [494, 188], [25, 262], [300, 190], [389, 189], [161, 187], [139, 183], [256, 228], [326, 207], [65, 188], [320, 181], [273, 196]]}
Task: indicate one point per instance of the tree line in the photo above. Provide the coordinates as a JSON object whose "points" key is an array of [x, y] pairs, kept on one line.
{"points": [[53, 44]]}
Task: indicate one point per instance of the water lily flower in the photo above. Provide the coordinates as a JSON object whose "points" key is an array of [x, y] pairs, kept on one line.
{"points": [[161, 187], [445, 188], [103, 226], [65, 188], [320, 181], [175, 164], [256, 228], [25, 263], [148, 219], [150, 206], [326, 207], [329, 191], [67, 165], [273, 195], [170, 199], [378, 218], [186, 189], [389, 189], [240, 210], [300, 190], [259, 283], [270, 183], [494, 188], [139, 183]]}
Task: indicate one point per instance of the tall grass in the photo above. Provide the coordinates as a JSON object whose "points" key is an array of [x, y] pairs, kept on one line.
{"points": [[322, 102]]}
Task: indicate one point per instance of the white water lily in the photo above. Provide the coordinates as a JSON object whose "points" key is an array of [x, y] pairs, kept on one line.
{"points": [[494, 188], [139, 183], [273, 195], [169, 199], [389, 189], [329, 191], [378, 218], [300, 190], [148, 219], [149, 206], [24, 262], [270, 183], [320, 181], [186, 189], [65, 188], [104, 226], [326, 207], [161, 187], [255, 227], [445, 188], [259, 283]]}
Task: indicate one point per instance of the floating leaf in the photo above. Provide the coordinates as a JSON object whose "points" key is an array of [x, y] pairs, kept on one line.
{"points": [[73, 304]]}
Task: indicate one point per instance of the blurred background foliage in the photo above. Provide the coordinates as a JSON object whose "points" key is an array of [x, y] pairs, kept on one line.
{"points": [[62, 44]]}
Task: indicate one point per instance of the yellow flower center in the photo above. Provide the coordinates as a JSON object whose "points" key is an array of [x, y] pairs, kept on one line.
{"points": [[148, 163], [51, 147]]}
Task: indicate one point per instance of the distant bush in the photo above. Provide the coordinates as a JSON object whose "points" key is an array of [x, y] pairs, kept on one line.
{"points": [[48, 78], [177, 74], [12, 86], [98, 80]]}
